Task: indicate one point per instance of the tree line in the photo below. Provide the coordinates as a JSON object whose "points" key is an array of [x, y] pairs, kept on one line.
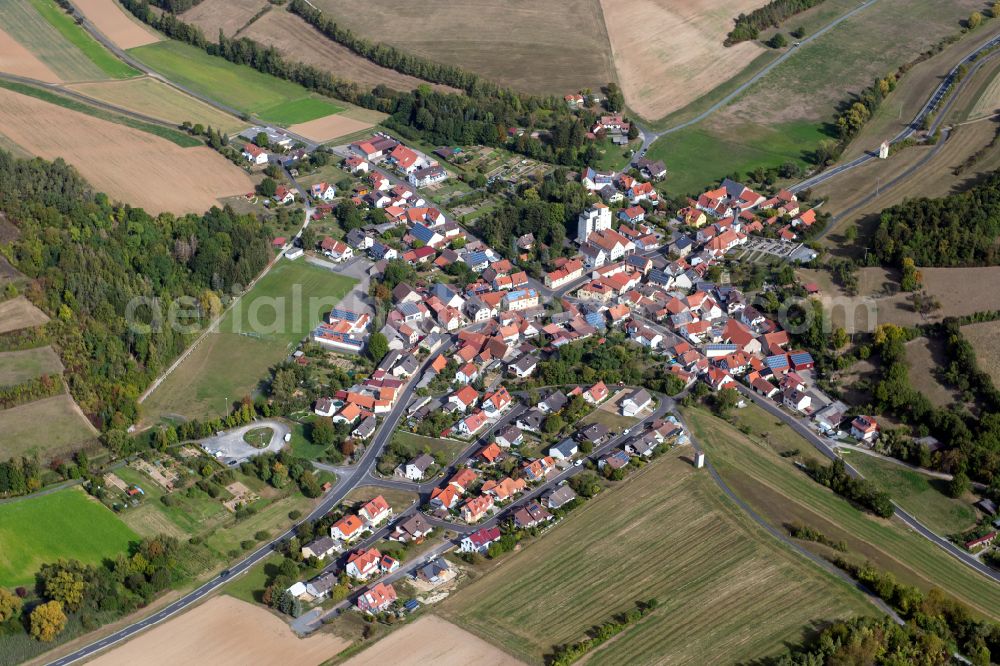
{"points": [[109, 273], [481, 117], [748, 26], [45, 386], [860, 491], [955, 230]]}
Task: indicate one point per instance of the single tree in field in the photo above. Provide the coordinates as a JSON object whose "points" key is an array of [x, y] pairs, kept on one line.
{"points": [[779, 41], [267, 187], [47, 621], [975, 20]]}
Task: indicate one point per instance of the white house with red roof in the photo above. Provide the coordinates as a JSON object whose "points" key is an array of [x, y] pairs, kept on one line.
{"points": [[323, 191], [864, 428], [375, 512], [283, 195], [254, 154], [364, 564]]}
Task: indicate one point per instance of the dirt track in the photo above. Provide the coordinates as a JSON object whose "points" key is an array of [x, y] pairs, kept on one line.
{"points": [[223, 631], [431, 640], [128, 164]]}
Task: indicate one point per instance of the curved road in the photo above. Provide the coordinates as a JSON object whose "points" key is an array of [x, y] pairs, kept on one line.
{"points": [[344, 486], [827, 450]]}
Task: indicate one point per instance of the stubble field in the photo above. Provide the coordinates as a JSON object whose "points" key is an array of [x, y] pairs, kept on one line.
{"points": [[537, 46], [224, 631], [667, 533], [669, 53], [19, 312], [128, 164], [226, 15], [65, 427], [20, 366], [985, 339], [16, 59], [432, 640]]}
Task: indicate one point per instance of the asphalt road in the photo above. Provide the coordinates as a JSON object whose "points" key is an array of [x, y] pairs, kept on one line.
{"points": [[827, 450], [345, 485]]}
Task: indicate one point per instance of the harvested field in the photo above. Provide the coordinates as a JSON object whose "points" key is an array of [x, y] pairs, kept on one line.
{"points": [[226, 15], [330, 127], [116, 23], [15, 59], [158, 100], [431, 640], [925, 356], [669, 53], [74, 33], [536, 46], [985, 339], [128, 164], [18, 313], [224, 631], [297, 40], [780, 492], [988, 103], [711, 556], [65, 427], [20, 366]]}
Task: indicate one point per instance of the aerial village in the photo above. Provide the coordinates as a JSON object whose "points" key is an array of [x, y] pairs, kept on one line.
{"points": [[461, 353]]}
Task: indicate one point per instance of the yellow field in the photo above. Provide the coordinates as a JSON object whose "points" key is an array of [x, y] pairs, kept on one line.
{"points": [[156, 99], [669, 53], [728, 592]]}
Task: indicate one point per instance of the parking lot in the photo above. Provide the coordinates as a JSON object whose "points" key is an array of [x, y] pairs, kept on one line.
{"points": [[230, 448]]}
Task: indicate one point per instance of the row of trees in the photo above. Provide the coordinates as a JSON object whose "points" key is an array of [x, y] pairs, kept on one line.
{"points": [[954, 230], [860, 491], [111, 273], [748, 26], [480, 117], [19, 476], [29, 391]]}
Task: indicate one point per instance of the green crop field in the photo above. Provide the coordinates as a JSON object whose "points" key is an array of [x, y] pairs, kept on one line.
{"points": [[64, 427], [70, 31], [20, 366], [257, 334], [728, 592], [239, 86], [64, 524], [782, 493], [917, 493]]}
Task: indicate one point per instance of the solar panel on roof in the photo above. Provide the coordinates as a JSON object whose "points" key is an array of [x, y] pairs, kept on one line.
{"points": [[346, 315], [779, 361]]}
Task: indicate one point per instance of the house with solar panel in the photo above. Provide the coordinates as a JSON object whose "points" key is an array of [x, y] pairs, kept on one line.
{"points": [[427, 236]]}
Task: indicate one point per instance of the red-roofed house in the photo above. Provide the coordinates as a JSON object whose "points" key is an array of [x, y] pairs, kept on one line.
{"points": [[476, 508], [378, 599], [375, 512]]}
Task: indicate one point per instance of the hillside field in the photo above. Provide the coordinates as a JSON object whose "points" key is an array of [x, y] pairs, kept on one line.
{"points": [[116, 23], [64, 524], [239, 86], [776, 489], [985, 339], [20, 366], [668, 533], [65, 427], [18, 313], [16, 59], [536, 46], [128, 164], [250, 339]]}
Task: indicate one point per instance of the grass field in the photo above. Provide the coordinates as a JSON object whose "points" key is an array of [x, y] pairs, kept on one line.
{"points": [[250, 586], [28, 28], [449, 447], [20, 366], [985, 339], [226, 15], [64, 524], [781, 493], [667, 533], [116, 23], [17, 313], [538, 47], [258, 437], [16, 59], [65, 426], [78, 37], [698, 156], [918, 494], [153, 98], [257, 334], [925, 356], [239, 86]]}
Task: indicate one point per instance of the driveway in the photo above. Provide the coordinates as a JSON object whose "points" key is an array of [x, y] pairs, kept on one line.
{"points": [[230, 448]]}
